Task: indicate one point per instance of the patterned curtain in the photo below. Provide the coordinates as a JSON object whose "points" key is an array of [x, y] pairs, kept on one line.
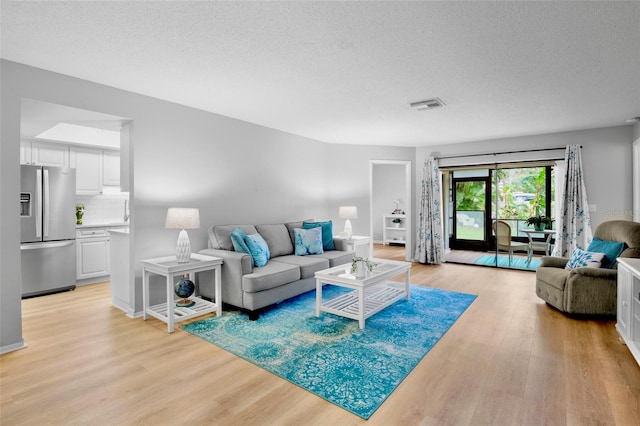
{"points": [[573, 223], [430, 244]]}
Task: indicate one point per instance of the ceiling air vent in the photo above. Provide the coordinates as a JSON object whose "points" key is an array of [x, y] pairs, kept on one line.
{"points": [[428, 104]]}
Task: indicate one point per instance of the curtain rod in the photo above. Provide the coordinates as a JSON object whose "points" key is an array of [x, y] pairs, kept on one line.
{"points": [[500, 153]]}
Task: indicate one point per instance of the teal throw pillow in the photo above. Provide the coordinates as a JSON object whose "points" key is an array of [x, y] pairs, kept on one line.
{"points": [[237, 239], [308, 241], [327, 233], [584, 259], [611, 250], [258, 248]]}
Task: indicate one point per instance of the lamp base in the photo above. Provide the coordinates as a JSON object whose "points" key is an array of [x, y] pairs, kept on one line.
{"points": [[348, 231], [183, 249]]}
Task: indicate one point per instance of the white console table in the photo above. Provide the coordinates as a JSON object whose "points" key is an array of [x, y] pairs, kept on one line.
{"points": [[628, 319]]}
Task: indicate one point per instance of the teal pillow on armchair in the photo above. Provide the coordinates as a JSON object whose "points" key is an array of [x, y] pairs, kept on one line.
{"points": [[611, 250]]}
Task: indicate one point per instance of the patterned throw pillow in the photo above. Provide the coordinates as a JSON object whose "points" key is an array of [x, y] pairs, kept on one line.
{"points": [[327, 233], [584, 259], [308, 241], [258, 248]]}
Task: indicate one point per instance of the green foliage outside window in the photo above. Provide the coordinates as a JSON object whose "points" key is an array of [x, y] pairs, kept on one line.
{"points": [[520, 193]]}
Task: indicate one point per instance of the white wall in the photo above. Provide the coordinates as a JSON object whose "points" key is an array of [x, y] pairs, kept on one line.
{"points": [[233, 171], [606, 158]]}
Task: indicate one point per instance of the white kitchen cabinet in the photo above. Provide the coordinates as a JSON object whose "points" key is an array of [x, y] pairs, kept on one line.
{"points": [[92, 253], [394, 229], [111, 168], [628, 315], [44, 154], [88, 165], [122, 279]]}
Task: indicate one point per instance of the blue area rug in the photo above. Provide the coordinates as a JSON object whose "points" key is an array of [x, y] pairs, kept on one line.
{"points": [[503, 262], [329, 355]]}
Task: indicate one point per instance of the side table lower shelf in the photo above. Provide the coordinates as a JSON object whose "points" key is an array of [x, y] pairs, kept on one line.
{"points": [[182, 314]]}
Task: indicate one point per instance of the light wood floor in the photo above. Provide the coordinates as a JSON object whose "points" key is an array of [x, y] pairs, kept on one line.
{"points": [[509, 360]]}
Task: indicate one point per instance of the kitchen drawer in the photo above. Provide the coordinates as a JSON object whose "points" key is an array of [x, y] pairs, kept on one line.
{"points": [[92, 232]]}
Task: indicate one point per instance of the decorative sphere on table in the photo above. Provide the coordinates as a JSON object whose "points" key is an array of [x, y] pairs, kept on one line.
{"points": [[184, 289]]}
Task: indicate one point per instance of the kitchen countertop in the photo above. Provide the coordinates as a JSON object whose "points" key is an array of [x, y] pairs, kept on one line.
{"points": [[101, 225], [119, 231]]}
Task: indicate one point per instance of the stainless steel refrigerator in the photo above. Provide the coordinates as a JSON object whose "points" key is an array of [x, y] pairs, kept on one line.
{"points": [[47, 229]]}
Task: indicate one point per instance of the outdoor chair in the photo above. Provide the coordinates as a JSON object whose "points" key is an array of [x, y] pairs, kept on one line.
{"points": [[502, 230]]}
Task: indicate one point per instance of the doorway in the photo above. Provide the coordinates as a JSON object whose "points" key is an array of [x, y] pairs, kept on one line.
{"points": [[390, 199]]}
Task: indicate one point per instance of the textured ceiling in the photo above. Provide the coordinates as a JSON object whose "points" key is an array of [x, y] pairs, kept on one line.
{"points": [[345, 72]]}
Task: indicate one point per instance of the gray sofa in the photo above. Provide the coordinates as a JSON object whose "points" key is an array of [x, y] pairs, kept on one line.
{"points": [[285, 275], [591, 291]]}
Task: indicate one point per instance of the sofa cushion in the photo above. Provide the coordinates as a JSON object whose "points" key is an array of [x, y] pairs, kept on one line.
{"points": [[327, 233], [336, 257], [271, 275], [611, 250], [308, 241], [308, 265], [258, 248], [277, 237], [220, 235]]}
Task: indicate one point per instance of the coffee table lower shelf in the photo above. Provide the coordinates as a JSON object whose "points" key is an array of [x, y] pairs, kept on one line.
{"points": [[348, 304]]}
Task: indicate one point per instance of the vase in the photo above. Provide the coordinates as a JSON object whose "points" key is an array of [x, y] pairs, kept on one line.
{"points": [[78, 219], [539, 227], [361, 269]]}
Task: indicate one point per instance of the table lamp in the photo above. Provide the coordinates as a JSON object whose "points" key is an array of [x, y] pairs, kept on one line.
{"points": [[348, 213], [183, 219]]}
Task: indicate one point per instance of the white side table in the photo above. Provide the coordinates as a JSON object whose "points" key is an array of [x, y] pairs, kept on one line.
{"points": [[170, 268], [355, 241], [545, 245]]}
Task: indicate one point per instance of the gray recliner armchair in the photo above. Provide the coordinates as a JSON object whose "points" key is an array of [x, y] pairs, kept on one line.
{"points": [[587, 290]]}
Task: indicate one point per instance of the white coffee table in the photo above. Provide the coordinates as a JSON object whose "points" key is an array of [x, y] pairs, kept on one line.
{"points": [[371, 294]]}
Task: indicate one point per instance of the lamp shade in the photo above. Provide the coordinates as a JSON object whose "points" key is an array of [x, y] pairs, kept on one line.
{"points": [[182, 218], [348, 212]]}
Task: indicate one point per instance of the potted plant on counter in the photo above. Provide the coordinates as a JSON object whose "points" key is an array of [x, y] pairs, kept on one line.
{"points": [[79, 213]]}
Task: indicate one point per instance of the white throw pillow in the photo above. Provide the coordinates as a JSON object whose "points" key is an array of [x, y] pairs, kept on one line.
{"points": [[584, 259]]}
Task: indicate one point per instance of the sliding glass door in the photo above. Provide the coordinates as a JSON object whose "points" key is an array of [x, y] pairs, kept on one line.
{"points": [[489, 209], [471, 191]]}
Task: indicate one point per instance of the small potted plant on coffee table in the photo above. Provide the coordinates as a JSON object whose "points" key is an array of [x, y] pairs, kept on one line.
{"points": [[359, 266]]}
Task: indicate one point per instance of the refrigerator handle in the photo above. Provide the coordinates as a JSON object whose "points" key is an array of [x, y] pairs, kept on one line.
{"points": [[38, 203], [46, 204], [46, 245]]}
